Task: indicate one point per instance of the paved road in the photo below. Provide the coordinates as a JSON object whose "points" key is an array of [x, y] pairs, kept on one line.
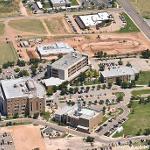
{"points": [[136, 17]]}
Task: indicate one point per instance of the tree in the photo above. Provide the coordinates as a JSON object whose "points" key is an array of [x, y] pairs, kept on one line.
{"points": [[109, 85], [17, 69], [104, 86], [101, 67], [21, 63], [89, 139], [149, 84], [128, 64], [120, 62], [145, 54], [23, 73], [104, 110], [125, 85], [101, 102], [0, 70], [118, 81]]}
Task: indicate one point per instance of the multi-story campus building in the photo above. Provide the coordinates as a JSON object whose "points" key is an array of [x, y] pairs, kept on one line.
{"points": [[83, 119], [21, 96], [69, 66], [122, 72]]}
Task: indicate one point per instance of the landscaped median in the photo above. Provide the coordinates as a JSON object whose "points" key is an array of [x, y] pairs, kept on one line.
{"points": [[130, 25], [140, 92]]}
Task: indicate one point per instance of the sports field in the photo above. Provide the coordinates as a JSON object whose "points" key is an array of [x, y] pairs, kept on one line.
{"points": [[7, 53], [143, 6], [34, 26]]}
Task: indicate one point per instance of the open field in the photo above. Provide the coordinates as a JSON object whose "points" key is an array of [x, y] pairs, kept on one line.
{"points": [[143, 6], [2, 28], [144, 78], [140, 92], [56, 25], [7, 53], [34, 26], [130, 26], [26, 137], [138, 120], [9, 8]]}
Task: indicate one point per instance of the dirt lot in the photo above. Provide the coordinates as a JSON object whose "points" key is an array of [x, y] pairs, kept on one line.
{"points": [[26, 137], [111, 43], [57, 25]]}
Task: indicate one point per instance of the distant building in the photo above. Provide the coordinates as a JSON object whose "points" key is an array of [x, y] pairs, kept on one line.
{"points": [[83, 119], [21, 96], [60, 3], [92, 20], [68, 67], [122, 72], [54, 49]]}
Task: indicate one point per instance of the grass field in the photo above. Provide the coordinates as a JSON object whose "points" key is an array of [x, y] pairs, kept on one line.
{"points": [[144, 78], [130, 26], [7, 53], [9, 8], [143, 6], [28, 25], [140, 92], [2, 28], [138, 120], [56, 26]]}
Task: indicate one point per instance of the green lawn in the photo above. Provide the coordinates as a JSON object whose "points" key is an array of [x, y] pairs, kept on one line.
{"points": [[7, 53], [2, 28], [130, 26], [9, 8], [74, 2], [28, 25], [140, 119], [140, 92], [118, 94], [144, 78], [143, 6]]}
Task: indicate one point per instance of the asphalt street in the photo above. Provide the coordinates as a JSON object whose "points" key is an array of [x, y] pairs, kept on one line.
{"points": [[136, 17]]}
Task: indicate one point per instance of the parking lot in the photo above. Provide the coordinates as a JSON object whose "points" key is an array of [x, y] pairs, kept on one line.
{"points": [[6, 141]]}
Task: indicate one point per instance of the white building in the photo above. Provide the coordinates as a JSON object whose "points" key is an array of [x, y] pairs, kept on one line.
{"points": [[60, 3], [85, 21], [69, 66], [54, 49]]}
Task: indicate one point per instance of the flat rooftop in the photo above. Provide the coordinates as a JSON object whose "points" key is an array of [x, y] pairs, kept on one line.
{"points": [[68, 60], [60, 1], [73, 112], [119, 71], [94, 19], [52, 81], [54, 48], [22, 87]]}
